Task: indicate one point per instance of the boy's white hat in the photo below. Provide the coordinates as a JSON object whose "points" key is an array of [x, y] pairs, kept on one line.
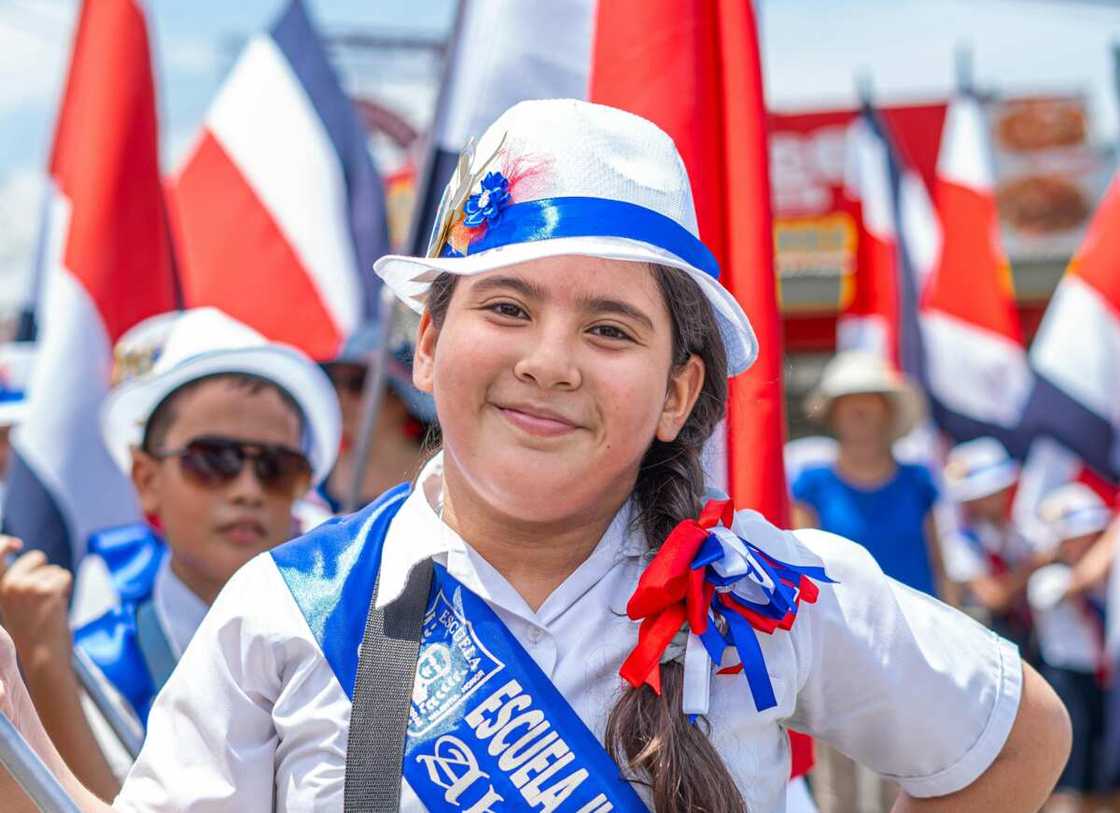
{"points": [[163, 353], [16, 361], [562, 176], [1073, 510], [979, 468], [855, 372]]}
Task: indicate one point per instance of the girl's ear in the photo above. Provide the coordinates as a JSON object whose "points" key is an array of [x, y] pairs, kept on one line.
{"points": [[423, 359], [685, 384], [146, 479]]}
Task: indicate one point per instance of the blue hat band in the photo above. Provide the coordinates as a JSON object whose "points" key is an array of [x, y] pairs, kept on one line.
{"points": [[552, 218]]}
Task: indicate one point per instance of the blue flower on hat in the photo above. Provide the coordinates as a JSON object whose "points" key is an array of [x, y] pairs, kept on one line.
{"points": [[487, 205]]}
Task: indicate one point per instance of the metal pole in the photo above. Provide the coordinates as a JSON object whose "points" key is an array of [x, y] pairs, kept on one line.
{"points": [[125, 727], [415, 242], [372, 396], [25, 766]]}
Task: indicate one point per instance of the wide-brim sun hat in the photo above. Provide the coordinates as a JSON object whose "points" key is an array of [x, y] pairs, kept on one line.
{"points": [[979, 468], [561, 177], [855, 372], [205, 342]]}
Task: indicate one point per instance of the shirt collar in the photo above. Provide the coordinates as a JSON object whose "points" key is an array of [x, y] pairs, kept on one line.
{"points": [[418, 532], [178, 609]]}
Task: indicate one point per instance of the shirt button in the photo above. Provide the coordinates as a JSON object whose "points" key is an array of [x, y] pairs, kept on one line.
{"points": [[535, 636]]}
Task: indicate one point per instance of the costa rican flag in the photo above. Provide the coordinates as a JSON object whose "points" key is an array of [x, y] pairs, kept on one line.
{"points": [[278, 212], [106, 265], [1076, 396], [500, 56], [976, 365], [897, 237]]}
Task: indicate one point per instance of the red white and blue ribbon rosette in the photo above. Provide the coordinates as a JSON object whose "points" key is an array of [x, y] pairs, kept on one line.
{"points": [[722, 590]]}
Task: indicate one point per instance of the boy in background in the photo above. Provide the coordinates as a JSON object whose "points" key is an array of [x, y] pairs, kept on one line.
{"points": [[221, 436]]}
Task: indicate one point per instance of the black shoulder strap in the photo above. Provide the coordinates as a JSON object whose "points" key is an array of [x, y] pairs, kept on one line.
{"points": [[383, 697]]}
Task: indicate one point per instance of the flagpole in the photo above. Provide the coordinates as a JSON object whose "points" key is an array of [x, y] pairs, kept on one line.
{"points": [[25, 766], [374, 391], [124, 728], [965, 81]]}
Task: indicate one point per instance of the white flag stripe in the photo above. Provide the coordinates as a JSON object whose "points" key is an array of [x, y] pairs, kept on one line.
{"points": [[975, 372], [264, 120], [545, 53], [965, 156], [1078, 345]]}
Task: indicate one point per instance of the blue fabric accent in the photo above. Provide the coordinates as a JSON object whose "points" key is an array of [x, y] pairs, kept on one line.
{"points": [[112, 644], [298, 41], [551, 218], [887, 520], [331, 575], [482, 708], [133, 554], [754, 665], [11, 396], [469, 662]]}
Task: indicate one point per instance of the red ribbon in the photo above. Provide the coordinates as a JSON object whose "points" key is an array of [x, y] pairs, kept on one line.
{"points": [[670, 592]]}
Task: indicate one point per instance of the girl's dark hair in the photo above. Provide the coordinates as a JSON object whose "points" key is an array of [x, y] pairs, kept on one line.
{"points": [[648, 734], [163, 417]]}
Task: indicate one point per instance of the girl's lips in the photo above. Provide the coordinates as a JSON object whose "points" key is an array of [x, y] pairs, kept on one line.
{"points": [[536, 424]]}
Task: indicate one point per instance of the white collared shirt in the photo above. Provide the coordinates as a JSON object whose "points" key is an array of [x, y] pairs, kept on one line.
{"points": [[1066, 634], [254, 718], [180, 611]]}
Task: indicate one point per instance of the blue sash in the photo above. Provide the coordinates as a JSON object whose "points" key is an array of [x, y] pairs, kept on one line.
{"points": [[132, 554], [488, 730]]}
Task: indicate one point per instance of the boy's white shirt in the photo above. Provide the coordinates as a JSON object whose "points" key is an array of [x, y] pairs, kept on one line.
{"points": [[255, 720], [1066, 636], [963, 562]]}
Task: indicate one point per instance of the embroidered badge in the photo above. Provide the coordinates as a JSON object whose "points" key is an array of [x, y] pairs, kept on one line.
{"points": [[453, 663]]}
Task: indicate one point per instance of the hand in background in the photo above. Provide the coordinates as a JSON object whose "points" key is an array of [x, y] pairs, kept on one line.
{"points": [[34, 603]]}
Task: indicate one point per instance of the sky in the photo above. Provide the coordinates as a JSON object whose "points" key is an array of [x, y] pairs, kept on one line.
{"points": [[813, 51]]}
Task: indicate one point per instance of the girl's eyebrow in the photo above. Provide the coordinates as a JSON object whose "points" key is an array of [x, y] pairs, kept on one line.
{"points": [[521, 286], [604, 305]]}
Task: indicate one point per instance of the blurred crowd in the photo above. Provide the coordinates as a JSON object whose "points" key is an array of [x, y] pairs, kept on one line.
{"points": [[235, 444]]}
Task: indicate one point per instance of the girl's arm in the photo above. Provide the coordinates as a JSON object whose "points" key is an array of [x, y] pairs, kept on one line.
{"points": [[15, 702], [1025, 771]]}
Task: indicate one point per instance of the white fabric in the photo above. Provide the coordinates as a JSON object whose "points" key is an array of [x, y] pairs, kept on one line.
{"points": [[485, 80], [798, 799], [992, 386], [17, 360], [965, 158], [254, 719], [1066, 636], [179, 610]]}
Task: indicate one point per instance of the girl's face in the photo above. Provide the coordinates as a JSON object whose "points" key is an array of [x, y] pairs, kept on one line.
{"points": [[551, 379]]}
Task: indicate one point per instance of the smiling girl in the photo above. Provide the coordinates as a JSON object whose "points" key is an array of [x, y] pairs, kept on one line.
{"points": [[577, 343]]}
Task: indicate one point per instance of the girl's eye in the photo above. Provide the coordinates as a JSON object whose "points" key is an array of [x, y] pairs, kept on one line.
{"points": [[508, 309], [610, 332]]}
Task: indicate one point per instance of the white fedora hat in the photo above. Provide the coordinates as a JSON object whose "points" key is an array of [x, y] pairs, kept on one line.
{"points": [[163, 353], [855, 372], [562, 176], [978, 468]]}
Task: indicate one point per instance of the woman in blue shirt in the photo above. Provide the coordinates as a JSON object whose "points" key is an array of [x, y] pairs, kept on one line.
{"points": [[868, 496]]}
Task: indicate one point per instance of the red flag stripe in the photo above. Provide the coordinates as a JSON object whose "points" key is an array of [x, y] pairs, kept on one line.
{"points": [[105, 161], [244, 277]]}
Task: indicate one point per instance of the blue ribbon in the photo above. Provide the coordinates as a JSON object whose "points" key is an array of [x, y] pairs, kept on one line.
{"points": [[781, 602], [551, 218], [11, 396]]}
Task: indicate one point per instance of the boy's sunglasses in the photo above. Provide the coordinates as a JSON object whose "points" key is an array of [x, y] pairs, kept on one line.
{"points": [[213, 462]]}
